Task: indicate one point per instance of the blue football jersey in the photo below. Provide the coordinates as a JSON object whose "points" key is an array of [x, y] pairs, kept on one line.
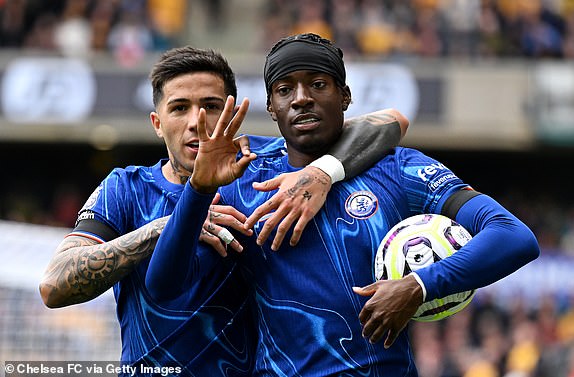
{"points": [[205, 331], [308, 314]]}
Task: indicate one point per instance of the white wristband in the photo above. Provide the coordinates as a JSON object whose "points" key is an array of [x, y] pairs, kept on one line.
{"points": [[331, 166], [419, 280]]}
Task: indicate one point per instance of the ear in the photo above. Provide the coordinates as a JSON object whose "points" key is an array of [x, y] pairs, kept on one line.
{"points": [[346, 97], [156, 123], [272, 113]]}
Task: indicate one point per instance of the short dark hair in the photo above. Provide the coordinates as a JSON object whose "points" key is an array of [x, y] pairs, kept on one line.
{"points": [[182, 60]]}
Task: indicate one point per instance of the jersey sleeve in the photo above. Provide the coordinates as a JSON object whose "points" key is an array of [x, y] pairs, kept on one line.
{"points": [[265, 146], [177, 251], [103, 215], [427, 183], [501, 243]]}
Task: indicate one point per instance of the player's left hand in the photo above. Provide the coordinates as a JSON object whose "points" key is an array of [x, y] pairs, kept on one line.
{"points": [[301, 195], [391, 307], [215, 232]]}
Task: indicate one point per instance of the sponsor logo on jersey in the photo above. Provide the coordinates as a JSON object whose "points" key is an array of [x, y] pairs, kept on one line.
{"points": [[435, 175], [86, 215], [361, 204]]}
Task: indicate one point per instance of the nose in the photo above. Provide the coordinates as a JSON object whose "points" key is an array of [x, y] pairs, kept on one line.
{"points": [[302, 97], [192, 117]]}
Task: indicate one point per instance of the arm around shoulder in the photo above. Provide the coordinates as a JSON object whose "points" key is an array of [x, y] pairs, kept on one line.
{"points": [[368, 138]]}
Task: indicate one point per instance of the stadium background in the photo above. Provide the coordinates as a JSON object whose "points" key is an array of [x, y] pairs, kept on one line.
{"points": [[488, 86]]}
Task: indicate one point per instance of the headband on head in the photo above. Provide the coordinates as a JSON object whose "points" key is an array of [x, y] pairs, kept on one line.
{"points": [[303, 52]]}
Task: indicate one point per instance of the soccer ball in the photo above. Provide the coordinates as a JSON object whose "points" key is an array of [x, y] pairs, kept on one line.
{"points": [[417, 242]]}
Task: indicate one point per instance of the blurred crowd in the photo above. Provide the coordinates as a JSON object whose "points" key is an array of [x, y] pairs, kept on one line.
{"points": [[431, 28], [489, 340], [127, 28], [367, 28]]}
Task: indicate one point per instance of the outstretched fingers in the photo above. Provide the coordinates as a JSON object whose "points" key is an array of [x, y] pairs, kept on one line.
{"points": [[237, 120]]}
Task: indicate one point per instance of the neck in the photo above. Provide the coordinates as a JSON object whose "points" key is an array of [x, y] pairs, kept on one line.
{"points": [[299, 159], [174, 175]]}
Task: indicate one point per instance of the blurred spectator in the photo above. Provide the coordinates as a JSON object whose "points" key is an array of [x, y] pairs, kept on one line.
{"points": [[524, 353], [13, 23], [430, 32], [541, 32], [345, 22], [101, 19], [277, 17], [463, 18], [311, 17], [167, 19], [376, 35], [130, 38], [73, 33]]}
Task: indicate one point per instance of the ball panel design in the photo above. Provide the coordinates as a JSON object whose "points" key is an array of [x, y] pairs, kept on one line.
{"points": [[417, 242]]}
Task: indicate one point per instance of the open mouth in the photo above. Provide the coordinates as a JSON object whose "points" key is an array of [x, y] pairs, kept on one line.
{"points": [[306, 122], [194, 145]]}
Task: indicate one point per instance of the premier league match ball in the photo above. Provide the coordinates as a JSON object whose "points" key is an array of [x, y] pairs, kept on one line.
{"points": [[419, 241]]}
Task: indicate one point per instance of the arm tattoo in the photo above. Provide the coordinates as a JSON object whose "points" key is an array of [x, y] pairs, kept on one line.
{"points": [[82, 269], [377, 119]]}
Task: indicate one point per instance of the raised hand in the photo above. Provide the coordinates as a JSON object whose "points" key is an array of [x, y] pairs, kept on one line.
{"points": [[216, 164], [301, 195]]}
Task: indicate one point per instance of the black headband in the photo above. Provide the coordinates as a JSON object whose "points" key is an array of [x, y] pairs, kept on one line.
{"points": [[303, 54]]}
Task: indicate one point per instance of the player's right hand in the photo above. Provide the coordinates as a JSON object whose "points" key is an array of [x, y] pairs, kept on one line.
{"points": [[221, 217], [300, 196]]}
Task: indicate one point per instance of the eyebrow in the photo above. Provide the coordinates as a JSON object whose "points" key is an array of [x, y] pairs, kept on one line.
{"points": [[202, 100], [177, 100]]}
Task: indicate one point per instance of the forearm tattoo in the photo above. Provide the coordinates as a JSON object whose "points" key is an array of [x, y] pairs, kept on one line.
{"points": [[305, 180], [84, 270], [377, 119]]}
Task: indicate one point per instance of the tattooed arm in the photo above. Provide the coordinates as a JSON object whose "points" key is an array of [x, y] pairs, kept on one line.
{"points": [[83, 269]]}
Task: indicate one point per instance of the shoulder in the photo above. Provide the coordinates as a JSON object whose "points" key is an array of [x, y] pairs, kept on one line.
{"points": [[266, 146], [401, 158], [131, 172]]}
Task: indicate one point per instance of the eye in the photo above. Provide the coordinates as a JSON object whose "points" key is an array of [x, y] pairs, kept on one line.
{"points": [[213, 107], [179, 108], [283, 90], [319, 84]]}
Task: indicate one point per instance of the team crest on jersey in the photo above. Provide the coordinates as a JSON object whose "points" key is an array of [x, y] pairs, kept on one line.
{"points": [[361, 204]]}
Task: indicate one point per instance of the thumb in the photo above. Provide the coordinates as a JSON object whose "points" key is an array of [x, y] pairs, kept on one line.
{"points": [[268, 185], [216, 198], [367, 290], [242, 164]]}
